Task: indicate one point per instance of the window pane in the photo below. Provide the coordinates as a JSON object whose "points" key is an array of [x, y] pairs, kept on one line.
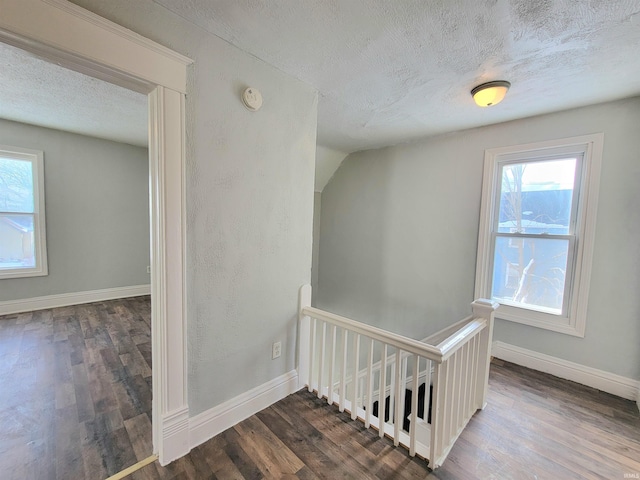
{"points": [[17, 249], [530, 273], [16, 185], [536, 197]]}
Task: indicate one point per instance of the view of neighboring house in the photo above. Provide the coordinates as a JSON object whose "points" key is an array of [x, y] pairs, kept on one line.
{"points": [[16, 248]]}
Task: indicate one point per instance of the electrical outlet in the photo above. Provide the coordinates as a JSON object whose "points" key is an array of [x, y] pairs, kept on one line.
{"points": [[276, 350]]}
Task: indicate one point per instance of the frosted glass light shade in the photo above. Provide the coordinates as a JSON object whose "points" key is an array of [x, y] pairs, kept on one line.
{"points": [[491, 93]]}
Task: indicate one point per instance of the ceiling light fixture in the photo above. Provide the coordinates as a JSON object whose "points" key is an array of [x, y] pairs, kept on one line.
{"points": [[490, 93]]}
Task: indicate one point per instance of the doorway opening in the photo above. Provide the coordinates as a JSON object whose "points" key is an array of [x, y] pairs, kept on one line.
{"points": [[63, 33]]}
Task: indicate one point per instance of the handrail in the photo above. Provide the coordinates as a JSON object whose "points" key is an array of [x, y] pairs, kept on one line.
{"points": [[399, 341], [437, 353], [441, 335], [452, 343]]}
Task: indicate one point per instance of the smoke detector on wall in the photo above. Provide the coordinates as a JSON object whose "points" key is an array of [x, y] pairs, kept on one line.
{"points": [[252, 99]]}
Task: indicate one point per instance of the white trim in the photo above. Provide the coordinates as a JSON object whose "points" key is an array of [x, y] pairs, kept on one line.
{"points": [[35, 26], [9, 307], [210, 423], [68, 35], [587, 186], [607, 382], [36, 159], [175, 433], [169, 350], [116, 29]]}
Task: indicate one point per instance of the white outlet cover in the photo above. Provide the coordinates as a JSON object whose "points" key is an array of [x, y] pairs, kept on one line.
{"points": [[252, 99], [276, 350]]}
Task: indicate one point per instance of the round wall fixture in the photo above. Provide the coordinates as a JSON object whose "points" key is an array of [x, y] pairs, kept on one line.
{"points": [[252, 99]]}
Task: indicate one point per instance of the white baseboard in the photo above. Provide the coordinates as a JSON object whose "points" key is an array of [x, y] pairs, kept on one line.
{"points": [[62, 300], [175, 435], [607, 382], [208, 424]]}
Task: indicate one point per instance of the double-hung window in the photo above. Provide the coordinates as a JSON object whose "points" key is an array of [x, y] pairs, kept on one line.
{"points": [[537, 230], [23, 251]]}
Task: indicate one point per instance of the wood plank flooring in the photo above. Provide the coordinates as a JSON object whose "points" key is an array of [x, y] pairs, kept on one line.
{"points": [[75, 390], [75, 403], [535, 426]]}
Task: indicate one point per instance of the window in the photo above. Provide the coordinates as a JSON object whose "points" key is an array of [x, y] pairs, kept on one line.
{"points": [[537, 230], [23, 251]]}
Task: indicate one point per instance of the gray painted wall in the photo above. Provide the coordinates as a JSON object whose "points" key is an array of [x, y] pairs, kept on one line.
{"points": [[399, 232], [317, 209], [97, 212], [249, 187]]}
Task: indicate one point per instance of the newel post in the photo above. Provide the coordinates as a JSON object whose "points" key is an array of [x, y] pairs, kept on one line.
{"points": [[484, 308], [304, 336]]}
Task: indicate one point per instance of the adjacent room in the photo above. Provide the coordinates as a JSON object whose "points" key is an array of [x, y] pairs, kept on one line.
{"points": [[389, 240], [75, 334]]}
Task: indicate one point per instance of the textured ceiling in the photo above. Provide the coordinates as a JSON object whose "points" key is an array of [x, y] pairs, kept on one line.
{"points": [[40, 93], [390, 71], [387, 71]]}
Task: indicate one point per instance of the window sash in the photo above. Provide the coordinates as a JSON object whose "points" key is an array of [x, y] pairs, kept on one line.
{"points": [[36, 157], [529, 158], [571, 237], [569, 274], [589, 149]]}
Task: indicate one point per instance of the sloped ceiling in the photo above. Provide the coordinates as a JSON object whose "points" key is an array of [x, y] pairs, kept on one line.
{"points": [[40, 93], [391, 71]]}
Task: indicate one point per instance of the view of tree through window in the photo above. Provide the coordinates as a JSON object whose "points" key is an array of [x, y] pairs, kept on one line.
{"points": [[537, 231], [17, 243], [534, 233]]}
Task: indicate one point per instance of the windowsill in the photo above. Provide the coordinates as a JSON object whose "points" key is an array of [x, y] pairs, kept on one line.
{"points": [[545, 321], [31, 272]]}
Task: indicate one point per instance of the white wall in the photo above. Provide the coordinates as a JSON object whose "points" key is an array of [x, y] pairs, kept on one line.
{"points": [[97, 212], [327, 162], [399, 233], [249, 187]]}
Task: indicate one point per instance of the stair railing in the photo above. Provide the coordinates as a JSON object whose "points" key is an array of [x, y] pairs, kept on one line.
{"points": [[367, 371]]}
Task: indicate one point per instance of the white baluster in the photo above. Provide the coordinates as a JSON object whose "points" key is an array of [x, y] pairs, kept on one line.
{"points": [[367, 416], [356, 355], [451, 393], [436, 413], [464, 386], [312, 351], [332, 336], [403, 389], [414, 406], [474, 376], [382, 391], [343, 370], [323, 341], [397, 420], [427, 390]]}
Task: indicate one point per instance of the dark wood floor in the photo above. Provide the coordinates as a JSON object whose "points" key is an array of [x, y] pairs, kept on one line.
{"points": [[75, 390], [535, 426], [75, 403]]}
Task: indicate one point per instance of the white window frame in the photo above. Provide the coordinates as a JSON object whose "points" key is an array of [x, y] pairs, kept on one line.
{"points": [[36, 157], [573, 319]]}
